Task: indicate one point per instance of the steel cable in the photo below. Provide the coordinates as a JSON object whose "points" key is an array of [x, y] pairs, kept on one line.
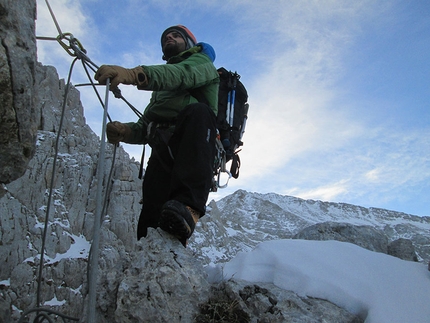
{"points": [[42, 313]]}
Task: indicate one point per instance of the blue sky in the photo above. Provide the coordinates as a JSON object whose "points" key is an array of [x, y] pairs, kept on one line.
{"points": [[338, 90]]}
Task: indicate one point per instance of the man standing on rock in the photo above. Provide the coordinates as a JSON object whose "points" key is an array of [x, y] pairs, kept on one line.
{"points": [[180, 130]]}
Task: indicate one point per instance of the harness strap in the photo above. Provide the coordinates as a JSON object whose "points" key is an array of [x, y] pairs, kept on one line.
{"points": [[141, 163]]}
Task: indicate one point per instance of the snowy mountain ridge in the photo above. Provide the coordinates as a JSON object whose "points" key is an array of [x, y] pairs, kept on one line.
{"points": [[319, 211], [241, 220]]}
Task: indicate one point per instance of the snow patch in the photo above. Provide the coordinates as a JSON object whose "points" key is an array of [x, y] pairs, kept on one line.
{"points": [[378, 287]]}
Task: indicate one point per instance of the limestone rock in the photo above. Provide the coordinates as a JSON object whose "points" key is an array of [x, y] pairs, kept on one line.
{"points": [[5, 312], [364, 236], [17, 88], [164, 282], [114, 260], [403, 249], [71, 219], [240, 301]]}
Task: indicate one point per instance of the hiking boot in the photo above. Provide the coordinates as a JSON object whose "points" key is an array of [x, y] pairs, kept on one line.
{"points": [[195, 214], [179, 220]]}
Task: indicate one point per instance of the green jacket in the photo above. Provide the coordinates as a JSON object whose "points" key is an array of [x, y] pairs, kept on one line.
{"points": [[171, 84]]}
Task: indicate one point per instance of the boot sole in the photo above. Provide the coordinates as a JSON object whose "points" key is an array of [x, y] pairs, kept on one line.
{"points": [[175, 224]]}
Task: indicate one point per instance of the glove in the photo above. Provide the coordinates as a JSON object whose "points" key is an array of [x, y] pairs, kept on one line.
{"points": [[117, 131], [118, 74]]}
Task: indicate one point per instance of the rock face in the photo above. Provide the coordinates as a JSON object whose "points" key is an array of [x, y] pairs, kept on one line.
{"points": [[71, 220], [17, 88], [364, 236], [163, 283], [403, 249], [240, 301]]}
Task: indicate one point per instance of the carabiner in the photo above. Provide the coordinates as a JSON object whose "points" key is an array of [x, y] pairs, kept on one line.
{"points": [[74, 44]]}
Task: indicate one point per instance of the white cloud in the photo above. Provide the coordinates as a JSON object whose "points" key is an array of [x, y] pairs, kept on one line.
{"points": [[328, 192], [373, 175]]}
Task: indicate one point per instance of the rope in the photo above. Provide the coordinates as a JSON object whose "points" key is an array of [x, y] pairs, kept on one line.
{"points": [[39, 310], [76, 50]]}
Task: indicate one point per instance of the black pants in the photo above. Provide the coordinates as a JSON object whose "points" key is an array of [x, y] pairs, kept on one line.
{"points": [[181, 170]]}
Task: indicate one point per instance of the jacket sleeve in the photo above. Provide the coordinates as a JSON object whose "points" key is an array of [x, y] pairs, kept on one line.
{"points": [[138, 132], [193, 72]]}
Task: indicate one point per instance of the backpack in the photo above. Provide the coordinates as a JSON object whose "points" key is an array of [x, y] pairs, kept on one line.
{"points": [[231, 122]]}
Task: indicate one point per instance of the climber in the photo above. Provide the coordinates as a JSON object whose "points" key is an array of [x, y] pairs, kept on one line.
{"points": [[180, 130]]}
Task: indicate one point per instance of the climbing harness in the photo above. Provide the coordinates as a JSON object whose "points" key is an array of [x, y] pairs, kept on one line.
{"points": [[75, 49]]}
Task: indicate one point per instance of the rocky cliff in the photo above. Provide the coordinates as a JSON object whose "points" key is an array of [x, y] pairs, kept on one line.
{"points": [[17, 88]]}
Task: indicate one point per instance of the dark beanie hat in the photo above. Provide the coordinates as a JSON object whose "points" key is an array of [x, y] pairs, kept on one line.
{"points": [[187, 35]]}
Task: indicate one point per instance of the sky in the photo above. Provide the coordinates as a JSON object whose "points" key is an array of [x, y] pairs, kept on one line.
{"points": [[377, 287], [338, 90]]}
